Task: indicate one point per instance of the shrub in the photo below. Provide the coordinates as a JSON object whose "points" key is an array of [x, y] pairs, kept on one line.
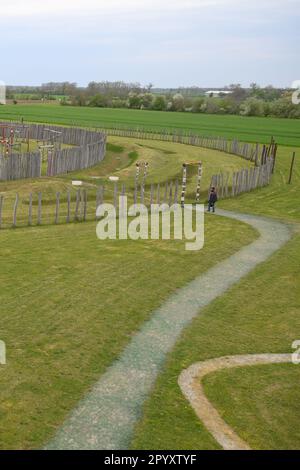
{"points": [[159, 103], [252, 107]]}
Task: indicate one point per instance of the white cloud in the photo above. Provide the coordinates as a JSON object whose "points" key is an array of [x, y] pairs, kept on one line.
{"points": [[72, 7], [21, 8], [157, 39]]}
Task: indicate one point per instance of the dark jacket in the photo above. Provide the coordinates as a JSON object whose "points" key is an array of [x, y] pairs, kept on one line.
{"points": [[213, 197]]}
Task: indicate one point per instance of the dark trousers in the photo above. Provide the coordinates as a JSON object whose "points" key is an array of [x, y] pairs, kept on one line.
{"points": [[211, 205]]}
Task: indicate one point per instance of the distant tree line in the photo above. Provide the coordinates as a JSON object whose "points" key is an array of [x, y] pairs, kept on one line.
{"points": [[252, 101]]}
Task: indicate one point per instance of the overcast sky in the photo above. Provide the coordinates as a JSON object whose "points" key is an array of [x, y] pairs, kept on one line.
{"points": [[167, 42]]}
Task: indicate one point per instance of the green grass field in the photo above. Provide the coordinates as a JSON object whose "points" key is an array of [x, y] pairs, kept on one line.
{"points": [[248, 129], [165, 164], [260, 422], [72, 303], [259, 315]]}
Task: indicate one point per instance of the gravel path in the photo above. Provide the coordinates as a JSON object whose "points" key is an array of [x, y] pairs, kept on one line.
{"points": [[106, 417], [190, 384]]}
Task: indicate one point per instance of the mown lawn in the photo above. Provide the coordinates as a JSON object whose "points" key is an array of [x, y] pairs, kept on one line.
{"points": [[165, 164], [259, 315], [249, 129], [72, 303], [69, 305], [264, 408], [279, 200]]}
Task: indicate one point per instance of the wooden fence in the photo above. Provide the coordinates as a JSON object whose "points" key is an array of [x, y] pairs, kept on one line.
{"points": [[256, 153], [88, 149], [18, 166], [242, 181], [81, 205], [68, 159], [90, 145]]}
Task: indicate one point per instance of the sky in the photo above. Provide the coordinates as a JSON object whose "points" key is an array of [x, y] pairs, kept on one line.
{"points": [[169, 43]]}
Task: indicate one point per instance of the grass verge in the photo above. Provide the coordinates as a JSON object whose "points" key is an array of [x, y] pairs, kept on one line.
{"points": [[71, 304], [264, 408], [259, 315]]}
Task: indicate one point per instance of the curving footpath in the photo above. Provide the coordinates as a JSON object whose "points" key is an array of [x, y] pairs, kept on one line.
{"points": [[191, 387], [106, 417]]}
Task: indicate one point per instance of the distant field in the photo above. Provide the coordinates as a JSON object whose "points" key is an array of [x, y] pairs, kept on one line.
{"points": [[285, 131]]}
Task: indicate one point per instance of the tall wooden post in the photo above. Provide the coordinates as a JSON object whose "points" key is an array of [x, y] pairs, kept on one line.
{"points": [[292, 168], [30, 210], [274, 157], [184, 180], [15, 210], [1, 208], [39, 218], [199, 177], [57, 208]]}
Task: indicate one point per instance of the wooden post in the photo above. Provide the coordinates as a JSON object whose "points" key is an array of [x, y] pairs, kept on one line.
{"points": [[151, 194], [1, 208], [233, 184], [142, 194], [57, 208], [68, 207], [15, 211], [274, 157], [199, 177], [99, 196], [135, 195], [184, 180], [292, 168], [166, 192], [158, 193], [77, 204], [146, 167], [137, 174], [30, 210], [227, 185], [85, 204], [176, 192], [171, 194], [39, 219], [116, 195], [262, 160]]}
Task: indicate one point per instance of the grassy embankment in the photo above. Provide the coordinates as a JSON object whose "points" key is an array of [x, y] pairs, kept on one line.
{"points": [[70, 303], [60, 338], [259, 315], [165, 164]]}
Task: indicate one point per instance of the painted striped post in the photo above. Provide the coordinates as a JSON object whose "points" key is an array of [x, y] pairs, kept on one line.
{"points": [[85, 205], [184, 181], [199, 177]]}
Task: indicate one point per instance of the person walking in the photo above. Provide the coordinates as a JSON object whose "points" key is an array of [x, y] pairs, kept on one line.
{"points": [[213, 198]]}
